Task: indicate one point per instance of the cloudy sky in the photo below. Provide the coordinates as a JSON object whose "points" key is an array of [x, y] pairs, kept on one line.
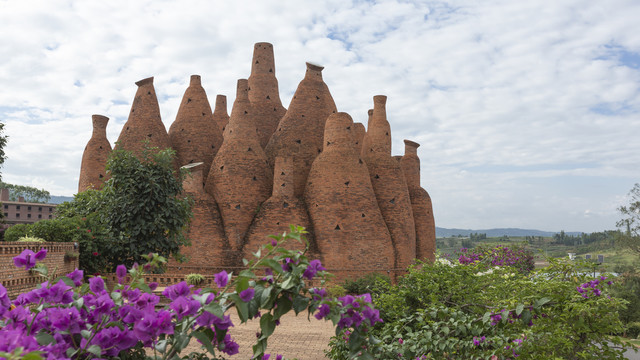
{"points": [[528, 112]]}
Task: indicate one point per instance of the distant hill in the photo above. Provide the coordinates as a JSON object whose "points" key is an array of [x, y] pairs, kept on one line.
{"points": [[59, 199], [444, 232]]}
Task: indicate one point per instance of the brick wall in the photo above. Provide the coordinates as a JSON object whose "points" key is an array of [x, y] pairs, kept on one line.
{"points": [[18, 280]]}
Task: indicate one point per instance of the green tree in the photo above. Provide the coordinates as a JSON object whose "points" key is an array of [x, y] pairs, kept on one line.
{"points": [[30, 193], [629, 225], [3, 143], [140, 210]]}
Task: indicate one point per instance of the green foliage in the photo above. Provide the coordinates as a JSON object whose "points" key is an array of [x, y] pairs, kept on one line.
{"points": [[628, 288], [140, 210], [476, 311], [194, 279], [30, 193], [3, 143], [633, 330], [370, 283], [629, 225], [335, 291], [31, 239]]}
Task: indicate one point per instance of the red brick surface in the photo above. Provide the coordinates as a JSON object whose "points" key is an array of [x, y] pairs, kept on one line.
{"points": [[144, 121], [263, 92], [301, 130], [18, 280], [220, 115], [194, 135], [420, 203], [94, 159], [240, 178]]}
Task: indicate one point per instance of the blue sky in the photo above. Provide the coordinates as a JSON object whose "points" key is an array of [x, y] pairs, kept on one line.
{"points": [[527, 112]]}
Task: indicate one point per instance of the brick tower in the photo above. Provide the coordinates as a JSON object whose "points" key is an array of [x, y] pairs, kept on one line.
{"points": [[194, 135], [144, 121], [220, 115], [365, 139], [94, 158], [389, 185], [263, 92], [240, 178], [347, 223], [209, 247], [301, 130], [420, 203], [358, 136], [282, 209]]}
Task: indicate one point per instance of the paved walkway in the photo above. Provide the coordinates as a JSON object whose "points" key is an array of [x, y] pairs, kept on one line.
{"points": [[295, 337]]}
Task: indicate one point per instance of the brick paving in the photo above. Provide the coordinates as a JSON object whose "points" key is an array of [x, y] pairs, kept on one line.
{"points": [[296, 337]]}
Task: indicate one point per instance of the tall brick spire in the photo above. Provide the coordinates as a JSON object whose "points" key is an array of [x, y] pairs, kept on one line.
{"points": [[240, 178], [94, 159], [349, 228], [220, 115], [263, 92], [144, 121], [300, 132], [194, 135], [390, 186], [420, 203]]}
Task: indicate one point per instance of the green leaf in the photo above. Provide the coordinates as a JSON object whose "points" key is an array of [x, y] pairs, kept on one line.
{"points": [[300, 303], [206, 340], [486, 317], [284, 305], [519, 309], [44, 338], [215, 308], [242, 284], [540, 302], [67, 281], [241, 306], [34, 355], [267, 325], [86, 334], [265, 297], [95, 350]]}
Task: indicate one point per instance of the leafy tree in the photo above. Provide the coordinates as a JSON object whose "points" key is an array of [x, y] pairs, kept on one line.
{"points": [[140, 210], [630, 222], [30, 193], [3, 143]]}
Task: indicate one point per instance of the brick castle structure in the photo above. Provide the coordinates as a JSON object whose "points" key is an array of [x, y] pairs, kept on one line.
{"points": [[264, 167]]}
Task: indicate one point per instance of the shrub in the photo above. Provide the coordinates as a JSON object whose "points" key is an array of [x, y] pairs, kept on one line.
{"points": [[370, 283], [31, 239], [633, 330], [194, 279], [335, 291]]}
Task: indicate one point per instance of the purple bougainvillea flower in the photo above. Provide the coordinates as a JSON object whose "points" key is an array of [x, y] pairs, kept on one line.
{"points": [[312, 269], [121, 272], [323, 311], [178, 290], [184, 307], [60, 293], [96, 284], [5, 302], [247, 295], [373, 315], [153, 286], [26, 259], [222, 324], [40, 255], [221, 279], [230, 346], [76, 276]]}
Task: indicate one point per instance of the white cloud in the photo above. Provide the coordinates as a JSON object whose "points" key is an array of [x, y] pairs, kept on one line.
{"points": [[481, 85]]}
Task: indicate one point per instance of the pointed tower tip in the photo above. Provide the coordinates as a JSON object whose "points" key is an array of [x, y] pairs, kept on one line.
{"points": [[380, 99], [412, 144], [195, 80], [242, 89], [146, 81], [314, 67], [99, 117]]}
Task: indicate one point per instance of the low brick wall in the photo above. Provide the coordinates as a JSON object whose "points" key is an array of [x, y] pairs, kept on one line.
{"points": [[18, 280]]}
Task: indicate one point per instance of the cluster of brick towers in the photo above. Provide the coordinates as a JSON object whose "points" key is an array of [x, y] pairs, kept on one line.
{"points": [[265, 167]]}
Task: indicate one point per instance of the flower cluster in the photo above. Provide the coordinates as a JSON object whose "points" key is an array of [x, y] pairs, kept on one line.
{"points": [[355, 311], [28, 258], [502, 256], [593, 287]]}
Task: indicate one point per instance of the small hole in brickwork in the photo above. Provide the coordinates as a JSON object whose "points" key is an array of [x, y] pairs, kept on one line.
{"points": [[132, 110], [203, 114], [213, 146], [101, 176], [181, 129], [328, 143], [221, 167], [188, 141], [188, 100], [317, 97], [337, 227], [254, 178], [362, 215], [270, 70], [302, 115], [277, 222], [347, 183], [360, 161], [285, 205], [268, 97], [149, 135], [282, 173], [294, 97], [299, 141], [127, 128], [274, 109], [387, 134], [249, 149], [191, 161], [257, 62], [377, 176], [237, 206], [100, 147], [245, 112], [393, 201], [283, 185], [348, 127], [148, 92]]}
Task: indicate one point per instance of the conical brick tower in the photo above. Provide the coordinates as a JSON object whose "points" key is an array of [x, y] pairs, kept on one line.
{"points": [[240, 178], [194, 135], [94, 159], [263, 92], [420, 203], [282, 209], [144, 121], [365, 139], [209, 247], [301, 130], [220, 115], [390, 186], [349, 229]]}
